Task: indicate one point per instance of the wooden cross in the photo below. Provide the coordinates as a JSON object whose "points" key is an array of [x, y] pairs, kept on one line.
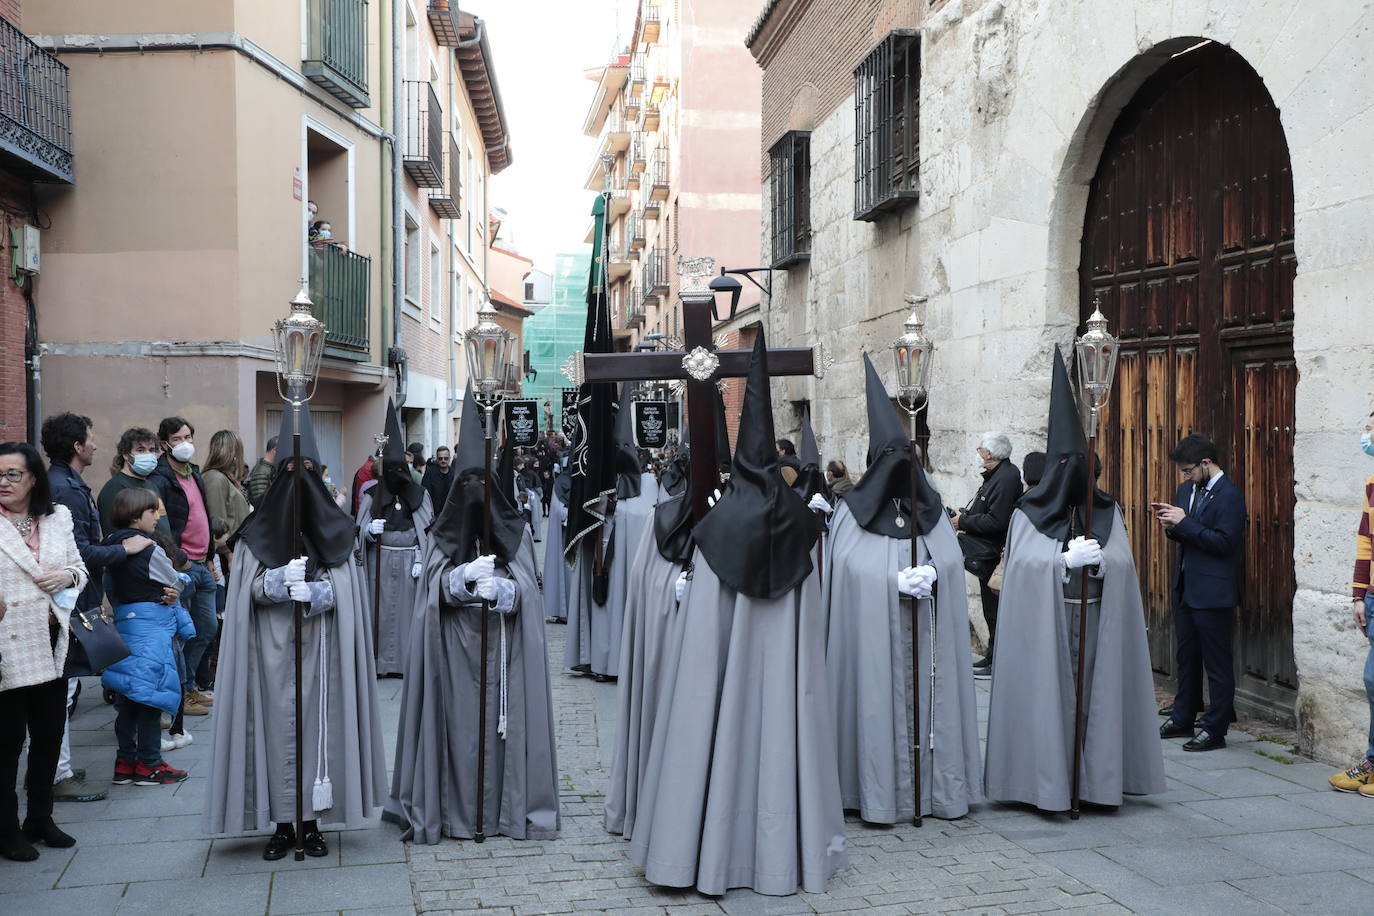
{"points": [[701, 366]]}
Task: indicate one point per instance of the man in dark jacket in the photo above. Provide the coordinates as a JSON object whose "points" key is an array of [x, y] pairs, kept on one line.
{"points": [[438, 478], [982, 527], [261, 476], [182, 490], [70, 444]]}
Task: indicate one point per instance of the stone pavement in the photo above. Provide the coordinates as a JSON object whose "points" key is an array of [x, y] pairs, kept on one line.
{"points": [[1250, 829]]}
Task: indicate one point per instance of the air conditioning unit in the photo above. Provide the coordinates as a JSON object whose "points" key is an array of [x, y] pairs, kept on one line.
{"points": [[24, 249]]}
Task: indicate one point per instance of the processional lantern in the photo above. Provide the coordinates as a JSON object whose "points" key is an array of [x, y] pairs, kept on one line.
{"points": [[912, 354], [487, 349], [299, 342], [1097, 351]]}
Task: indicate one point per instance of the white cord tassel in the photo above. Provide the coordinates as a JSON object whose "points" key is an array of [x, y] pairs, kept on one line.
{"points": [[322, 798], [930, 744], [501, 720]]}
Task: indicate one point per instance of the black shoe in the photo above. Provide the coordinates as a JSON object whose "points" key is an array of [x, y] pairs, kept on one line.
{"points": [[555, 620], [280, 843], [1167, 711], [982, 673], [1172, 729], [982, 661], [315, 844], [16, 848], [1205, 741], [46, 832]]}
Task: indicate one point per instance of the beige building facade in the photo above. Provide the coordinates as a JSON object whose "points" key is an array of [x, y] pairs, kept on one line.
{"points": [[212, 129], [1192, 166]]}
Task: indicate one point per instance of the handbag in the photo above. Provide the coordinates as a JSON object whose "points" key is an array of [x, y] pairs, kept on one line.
{"points": [[980, 556], [96, 644]]}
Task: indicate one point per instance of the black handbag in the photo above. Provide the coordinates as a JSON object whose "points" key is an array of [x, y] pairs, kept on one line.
{"points": [[95, 644], [980, 556]]}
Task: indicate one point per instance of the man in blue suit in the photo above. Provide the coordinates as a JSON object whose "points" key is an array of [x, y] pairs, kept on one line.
{"points": [[1207, 519]]}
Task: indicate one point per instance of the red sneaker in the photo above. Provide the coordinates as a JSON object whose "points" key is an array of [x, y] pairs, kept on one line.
{"points": [[123, 772], [160, 775]]}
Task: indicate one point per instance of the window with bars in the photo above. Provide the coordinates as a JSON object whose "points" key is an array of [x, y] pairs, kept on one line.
{"points": [[790, 184], [887, 96]]}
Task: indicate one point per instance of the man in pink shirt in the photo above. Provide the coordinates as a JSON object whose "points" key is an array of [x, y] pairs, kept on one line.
{"points": [[179, 483]]}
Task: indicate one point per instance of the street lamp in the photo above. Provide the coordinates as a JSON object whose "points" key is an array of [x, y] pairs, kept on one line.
{"points": [[911, 353], [1097, 351], [299, 342], [487, 349]]}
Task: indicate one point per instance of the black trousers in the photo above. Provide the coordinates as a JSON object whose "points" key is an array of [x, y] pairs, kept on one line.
{"points": [[990, 599], [1203, 640], [40, 712]]}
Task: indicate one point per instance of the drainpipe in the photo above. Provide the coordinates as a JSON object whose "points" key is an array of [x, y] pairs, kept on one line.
{"points": [[397, 207]]}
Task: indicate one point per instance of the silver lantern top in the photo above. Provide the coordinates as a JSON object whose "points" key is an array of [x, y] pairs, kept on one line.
{"points": [[299, 343], [912, 353]]}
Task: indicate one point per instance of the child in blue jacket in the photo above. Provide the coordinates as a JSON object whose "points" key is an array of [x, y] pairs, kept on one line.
{"points": [[147, 682]]}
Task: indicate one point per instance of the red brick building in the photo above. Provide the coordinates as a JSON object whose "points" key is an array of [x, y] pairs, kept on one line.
{"points": [[35, 148]]}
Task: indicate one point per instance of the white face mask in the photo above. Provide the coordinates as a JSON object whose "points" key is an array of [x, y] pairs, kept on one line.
{"points": [[184, 451]]}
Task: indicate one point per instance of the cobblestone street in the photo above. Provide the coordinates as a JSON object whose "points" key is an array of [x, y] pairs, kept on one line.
{"points": [[1284, 841]]}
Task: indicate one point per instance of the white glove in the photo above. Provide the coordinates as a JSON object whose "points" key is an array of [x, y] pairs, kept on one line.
{"points": [[299, 591], [375, 527], [480, 567], [916, 581], [1082, 552], [680, 586], [415, 570], [819, 503], [295, 572], [711, 500], [486, 588]]}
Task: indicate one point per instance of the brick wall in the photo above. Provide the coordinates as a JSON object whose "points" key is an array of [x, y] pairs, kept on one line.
{"points": [[10, 10], [811, 70], [14, 202]]}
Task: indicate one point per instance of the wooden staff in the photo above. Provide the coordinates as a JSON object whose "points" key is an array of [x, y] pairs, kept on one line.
{"points": [[479, 833], [916, 631], [298, 616], [1083, 631]]}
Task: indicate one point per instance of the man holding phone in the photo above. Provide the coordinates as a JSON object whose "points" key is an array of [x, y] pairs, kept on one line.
{"points": [[1207, 519]]}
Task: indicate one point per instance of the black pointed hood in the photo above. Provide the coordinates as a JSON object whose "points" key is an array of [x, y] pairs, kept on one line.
{"points": [[672, 480], [811, 479], [759, 535], [397, 496], [327, 530], [881, 500], [457, 530], [1058, 498], [627, 466], [674, 518]]}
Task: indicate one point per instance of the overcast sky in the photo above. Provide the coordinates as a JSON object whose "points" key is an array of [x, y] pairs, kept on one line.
{"points": [[541, 48]]}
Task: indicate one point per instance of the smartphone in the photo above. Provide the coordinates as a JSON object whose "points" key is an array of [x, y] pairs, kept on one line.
{"points": [[1158, 506]]}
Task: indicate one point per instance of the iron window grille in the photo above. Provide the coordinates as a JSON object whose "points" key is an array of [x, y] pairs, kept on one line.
{"points": [[887, 96], [790, 183]]}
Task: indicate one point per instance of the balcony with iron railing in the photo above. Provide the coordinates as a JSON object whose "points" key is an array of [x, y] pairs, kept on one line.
{"points": [[443, 19], [652, 23], [659, 175], [636, 88], [340, 288], [35, 110], [618, 260], [618, 129], [336, 49], [446, 200], [423, 155], [635, 233], [649, 120], [634, 307], [654, 276]]}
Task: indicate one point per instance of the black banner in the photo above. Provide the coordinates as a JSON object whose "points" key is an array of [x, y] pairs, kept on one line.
{"points": [[650, 423], [569, 412], [522, 423]]}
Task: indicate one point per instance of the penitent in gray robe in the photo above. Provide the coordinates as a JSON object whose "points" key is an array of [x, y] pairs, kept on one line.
{"points": [[401, 550], [594, 630], [555, 573], [649, 613], [741, 788], [434, 784], [868, 660], [1031, 717], [252, 772]]}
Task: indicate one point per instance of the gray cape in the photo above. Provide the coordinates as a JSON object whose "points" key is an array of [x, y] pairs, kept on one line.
{"points": [[868, 660], [252, 772], [400, 551], [434, 784], [594, 630], [1031, 716], [555, 573], [741, 789], [650, 609]]}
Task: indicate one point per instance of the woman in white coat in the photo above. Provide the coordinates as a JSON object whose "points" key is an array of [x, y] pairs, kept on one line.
{"points": [[41, 574]]}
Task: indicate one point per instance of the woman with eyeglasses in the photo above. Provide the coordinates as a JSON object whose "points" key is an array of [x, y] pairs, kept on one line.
{"points": [[41, 574]]}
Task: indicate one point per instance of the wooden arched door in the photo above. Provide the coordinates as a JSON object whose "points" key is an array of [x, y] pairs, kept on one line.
{"points": [[1188, 246]]}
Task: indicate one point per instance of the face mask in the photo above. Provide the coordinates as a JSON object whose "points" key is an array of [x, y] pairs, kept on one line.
{"points": [[184, 451], [326, 233], [144, 464], [1366, 444], [328, 482]]}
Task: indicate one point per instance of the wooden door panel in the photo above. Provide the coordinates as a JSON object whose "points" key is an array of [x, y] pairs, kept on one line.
{"points": [[1188, 240]]}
